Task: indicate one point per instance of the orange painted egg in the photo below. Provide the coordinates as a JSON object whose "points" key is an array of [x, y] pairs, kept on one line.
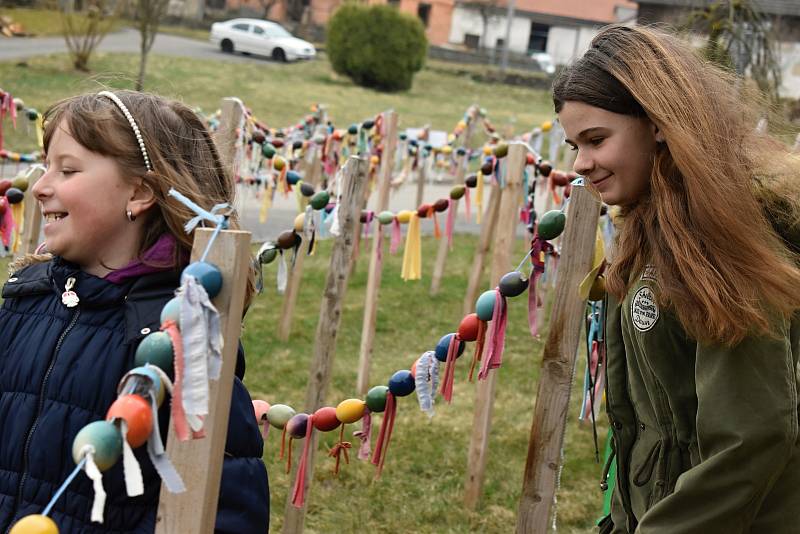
{"points": [[138, 415]]}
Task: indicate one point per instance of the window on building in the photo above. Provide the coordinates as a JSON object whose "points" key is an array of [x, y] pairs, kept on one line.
{"points": [[215, 4], [499, 44], [424, 13], [394, 3], [538, 39], [472, 41]]}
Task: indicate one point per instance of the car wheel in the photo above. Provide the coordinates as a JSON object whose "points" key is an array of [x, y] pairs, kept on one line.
{"points": [[279, 55], [227, 46]]}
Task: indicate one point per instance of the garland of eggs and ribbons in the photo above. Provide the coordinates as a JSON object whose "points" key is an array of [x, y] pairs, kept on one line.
{"points": [[11, 107], [179, 360], [486, 327]]}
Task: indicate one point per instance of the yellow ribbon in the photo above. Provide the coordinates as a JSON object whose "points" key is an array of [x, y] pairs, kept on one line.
{"points": [[18, 212], [479, 198], [266, 203], [412, 255], [597, 264]]}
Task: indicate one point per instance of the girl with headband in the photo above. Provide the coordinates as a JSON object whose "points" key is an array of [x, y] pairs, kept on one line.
{"points": [[702, 329], [116, 239]]}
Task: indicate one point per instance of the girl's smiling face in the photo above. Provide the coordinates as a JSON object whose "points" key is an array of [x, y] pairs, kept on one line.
{"points": [[615, 151], [84, 200]]}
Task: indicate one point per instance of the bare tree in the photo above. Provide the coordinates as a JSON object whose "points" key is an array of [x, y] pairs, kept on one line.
{"points": [[85, 28], [486, 10], [742, 39], [149, 14]]}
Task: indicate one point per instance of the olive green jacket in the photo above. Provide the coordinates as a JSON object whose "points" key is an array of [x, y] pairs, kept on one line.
{"points": [[706, 437]]}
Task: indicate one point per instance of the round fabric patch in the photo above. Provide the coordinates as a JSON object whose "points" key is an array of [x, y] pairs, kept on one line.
{"points": [[644, 311]]}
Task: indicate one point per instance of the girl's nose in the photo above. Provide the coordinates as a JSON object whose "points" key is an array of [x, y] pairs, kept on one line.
{"points": [[583, 163], [42, 188]]}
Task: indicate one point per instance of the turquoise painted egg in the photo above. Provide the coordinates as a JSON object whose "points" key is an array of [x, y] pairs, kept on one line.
{"points": [[279, 414], [292, 177], [297, 427], [376, 398], [156, 349], [402, 383], [207, 274], [172, 311], [484, 307], [268, 150], [149, 379], [320, 200], [513, 284], [385, 217], [106, 440], [551, 224], [444, 344]]}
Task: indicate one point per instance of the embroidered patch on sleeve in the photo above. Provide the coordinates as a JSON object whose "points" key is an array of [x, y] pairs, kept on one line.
{"points": [[644, 311]]}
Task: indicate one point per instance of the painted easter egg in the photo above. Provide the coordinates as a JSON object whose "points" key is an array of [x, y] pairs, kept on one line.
{"points": [[289, 239], [259, 137], [471, 181], [156, 349], [444, 344], [545, 168], [32, 114], [403, 136], [297, 145], [364, 216], [307, 190], [352, 129], [513, 284], [368, 124], [529, 159], [5, 185], [279, 414], [441, 205], [404, 216], [278, 142], [278, 163], [461, 151], [21, 183], [552, 224], [468, 329], [3, 205], [487, 168], [297, 427], [260, 409], [423, 209], [559, 178], [299, 221], [292, 177], [487, 150], [376, 398], [207, 274], [385, 217], [172, 312], [106, 440], [350, 410], [138, 415], [402, 383], [268, 253], [268, 150], [34, 524], [325, 419], [14, 195], [320, 200], [547, 126], [484, 306], [457, 192], [151, 378], [447, 150], [500, 150]]}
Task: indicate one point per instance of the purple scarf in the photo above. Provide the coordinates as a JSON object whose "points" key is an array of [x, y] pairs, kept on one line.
{"points": [[159, 257]]}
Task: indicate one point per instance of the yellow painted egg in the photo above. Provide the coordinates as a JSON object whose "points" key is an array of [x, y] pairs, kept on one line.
{"points": [[299, 221], [375, 160], [34, 524], [487, 150], [547, 126], [350, 410], [447, 149], [404, 216]]}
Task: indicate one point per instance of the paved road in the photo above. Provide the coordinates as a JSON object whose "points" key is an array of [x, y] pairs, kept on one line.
{"points": [[126, 40]]}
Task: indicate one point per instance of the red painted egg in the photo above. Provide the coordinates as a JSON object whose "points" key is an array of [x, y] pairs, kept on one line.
{"points": [[468, 329], [325, 419], [423, 210], [441, 205]]}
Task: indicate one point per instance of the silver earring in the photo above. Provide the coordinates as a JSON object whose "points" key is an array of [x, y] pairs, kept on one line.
{"points": [[131, 216]]}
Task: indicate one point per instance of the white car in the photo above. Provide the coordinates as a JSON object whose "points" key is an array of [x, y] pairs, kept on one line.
{"points": [[262, 37], [544, 61]]}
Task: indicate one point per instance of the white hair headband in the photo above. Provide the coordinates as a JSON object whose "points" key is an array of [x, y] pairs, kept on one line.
{"points": [[114, 98]]}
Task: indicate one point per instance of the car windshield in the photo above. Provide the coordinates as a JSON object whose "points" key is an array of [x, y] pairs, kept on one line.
{"points": [[277, 31]]}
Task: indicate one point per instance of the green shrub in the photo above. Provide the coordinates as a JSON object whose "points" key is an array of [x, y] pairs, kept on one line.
{"points": [[376, 46]]}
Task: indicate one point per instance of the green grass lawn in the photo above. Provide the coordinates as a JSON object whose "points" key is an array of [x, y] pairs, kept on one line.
{"points": [[421, 488], [278, 94]]}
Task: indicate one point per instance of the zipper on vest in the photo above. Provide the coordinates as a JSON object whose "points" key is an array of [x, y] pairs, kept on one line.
{"points": [[40, 407]]}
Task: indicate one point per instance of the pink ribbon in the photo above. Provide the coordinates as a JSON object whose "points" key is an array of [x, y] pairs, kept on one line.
{"points": [[397, 236], [299, 492], [467, 207], [497, 336], [450, 368], [385, 434], [177, 413], [7, 226], [364, 435]]}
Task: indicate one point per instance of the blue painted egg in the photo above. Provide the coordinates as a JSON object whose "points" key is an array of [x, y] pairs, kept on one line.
{"points": [[444, 344], [484, 307], [207, 274], [402, 383], [292, 177], [172, 312], [106, 440]]}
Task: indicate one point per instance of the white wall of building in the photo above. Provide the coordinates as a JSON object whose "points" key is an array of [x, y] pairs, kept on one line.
{"points": [[563, 43], [790, 68]]}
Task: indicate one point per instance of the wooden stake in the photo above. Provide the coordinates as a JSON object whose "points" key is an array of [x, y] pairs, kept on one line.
{"points": [[441, 254], [227, 135], [422, 164], [330, 315], [507, 220], [199, 462], [484, 242], [32, 215], [543, 464], [374, 274], [796, 147]]}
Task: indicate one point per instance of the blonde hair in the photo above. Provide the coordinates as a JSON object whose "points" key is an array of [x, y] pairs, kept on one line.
{"points": [[719, 191], [182, 154]]}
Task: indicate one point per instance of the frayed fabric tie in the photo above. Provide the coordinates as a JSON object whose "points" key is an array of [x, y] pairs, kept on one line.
{"points": [[479, 343], [134, 485], [450, 368], [452, 208], [397, 236], [94, 474], [339, 449], [496, 337], [385, 434], [155, 446], [299, 491], [365, 435], [426, 381], [177, 413]]}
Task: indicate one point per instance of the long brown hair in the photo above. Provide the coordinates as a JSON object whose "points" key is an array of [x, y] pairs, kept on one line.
{"points": [[181, 151], [719, 191]]}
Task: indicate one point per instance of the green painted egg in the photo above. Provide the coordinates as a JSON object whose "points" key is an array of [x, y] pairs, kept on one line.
{"points": [[552, 224], [172, 312], [320, 200], [106, 440], [279, 414], [501, 150], [457, 192], [268, 150], [21, 183], [484, 306], [376, 398], [385, 217], [156, 349]]}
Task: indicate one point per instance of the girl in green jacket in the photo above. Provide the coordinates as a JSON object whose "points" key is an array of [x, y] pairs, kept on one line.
{"points": [[703, 287]]}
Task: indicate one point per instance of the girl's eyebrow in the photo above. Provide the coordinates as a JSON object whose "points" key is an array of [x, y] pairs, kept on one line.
{"points": [[585, 133]]}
